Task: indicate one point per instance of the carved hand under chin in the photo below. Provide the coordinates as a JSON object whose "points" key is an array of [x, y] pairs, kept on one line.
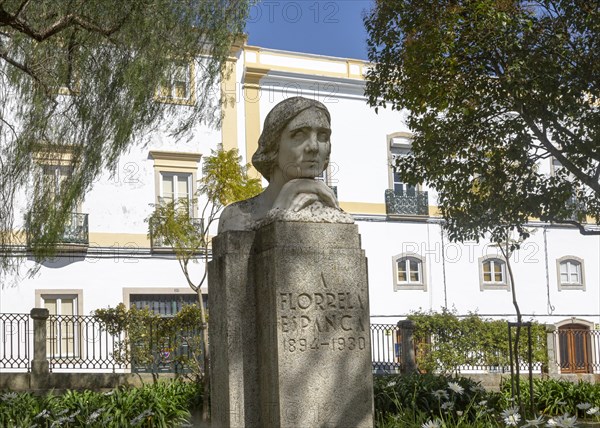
{"points": [[299, 193], [306, 200]]}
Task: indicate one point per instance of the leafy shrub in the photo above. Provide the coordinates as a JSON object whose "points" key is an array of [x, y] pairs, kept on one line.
{"points": [[445, 342], [149, 341], [163, 404], [556, 397]]}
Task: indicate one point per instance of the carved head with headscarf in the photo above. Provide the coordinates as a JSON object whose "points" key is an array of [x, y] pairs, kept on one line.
{"points": [[265, 157]]}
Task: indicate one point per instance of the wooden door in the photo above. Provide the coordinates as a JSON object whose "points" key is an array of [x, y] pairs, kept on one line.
{"points": [[574, 348]]}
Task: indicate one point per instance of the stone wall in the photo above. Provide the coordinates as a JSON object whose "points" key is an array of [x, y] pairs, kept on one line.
{"points": [[60, 381]]}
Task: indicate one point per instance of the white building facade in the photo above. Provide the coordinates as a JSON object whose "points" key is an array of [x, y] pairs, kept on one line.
{"points": [[411, 263]]}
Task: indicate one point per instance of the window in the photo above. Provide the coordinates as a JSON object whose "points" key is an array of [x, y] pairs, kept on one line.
{"points": [[162, 301], [53, 173], [63, 330], [165, 305], [175, 174], [55, 169], [53, 177], [409, 272], [493, 274], [179, 87], [400, 146], [493, 271], [401, 198], [575, 207], [176, 187], [570, 273], [401, 188]]}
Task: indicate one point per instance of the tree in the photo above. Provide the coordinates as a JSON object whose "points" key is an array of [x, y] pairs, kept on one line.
{"points": [[80, 79], [494, 88], [224, 181]]}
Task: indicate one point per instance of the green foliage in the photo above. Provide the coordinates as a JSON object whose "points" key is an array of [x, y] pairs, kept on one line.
{"points": [[171, 225], [225, 180], [428, 400], [164, 404], [445, 342], [82, 78], [493, 89], [410, 400], [149, 341], [556, 397]]}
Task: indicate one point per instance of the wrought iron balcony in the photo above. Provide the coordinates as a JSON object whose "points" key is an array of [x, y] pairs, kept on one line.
{"points": [[76, 231], [415, 203]]}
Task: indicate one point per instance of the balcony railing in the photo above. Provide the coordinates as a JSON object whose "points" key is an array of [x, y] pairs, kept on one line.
{"points": [[76, 231], [406, 204]]}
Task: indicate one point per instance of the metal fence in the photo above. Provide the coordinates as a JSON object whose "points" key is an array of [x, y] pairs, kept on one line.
{"points": [[387, 353], [15, 341], [386, 348], [81, 342]]}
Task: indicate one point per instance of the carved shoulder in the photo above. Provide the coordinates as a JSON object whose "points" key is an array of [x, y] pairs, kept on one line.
{"points": [[239, 215]]}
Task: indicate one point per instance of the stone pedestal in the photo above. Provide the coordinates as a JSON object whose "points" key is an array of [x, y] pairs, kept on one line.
{"points": [[289, 328], [232, 332], [314, 351]]}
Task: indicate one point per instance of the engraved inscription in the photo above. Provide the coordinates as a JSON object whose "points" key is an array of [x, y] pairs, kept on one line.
{"points": [[336, 344], [322, 321], [320, 301]]}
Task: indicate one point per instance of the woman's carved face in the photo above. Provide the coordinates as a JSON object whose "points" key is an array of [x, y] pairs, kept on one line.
{"points": [[304, 145]]}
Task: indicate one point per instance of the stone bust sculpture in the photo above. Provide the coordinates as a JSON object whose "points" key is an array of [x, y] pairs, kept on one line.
{"points": [[293, 149]]}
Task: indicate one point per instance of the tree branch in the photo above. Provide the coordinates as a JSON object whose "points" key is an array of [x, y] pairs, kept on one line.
{"points": [[184, 267], [554, 151], [22, 7], [562, 128], [59, 25], [11, 127], [24, 68]]}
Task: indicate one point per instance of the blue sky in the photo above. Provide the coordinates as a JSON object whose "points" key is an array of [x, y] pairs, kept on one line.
{"points": [[321, 27]]}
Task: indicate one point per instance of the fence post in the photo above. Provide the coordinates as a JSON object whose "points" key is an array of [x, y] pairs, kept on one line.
{"points": [[551, 349], [39, 364], [407, 327]]}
